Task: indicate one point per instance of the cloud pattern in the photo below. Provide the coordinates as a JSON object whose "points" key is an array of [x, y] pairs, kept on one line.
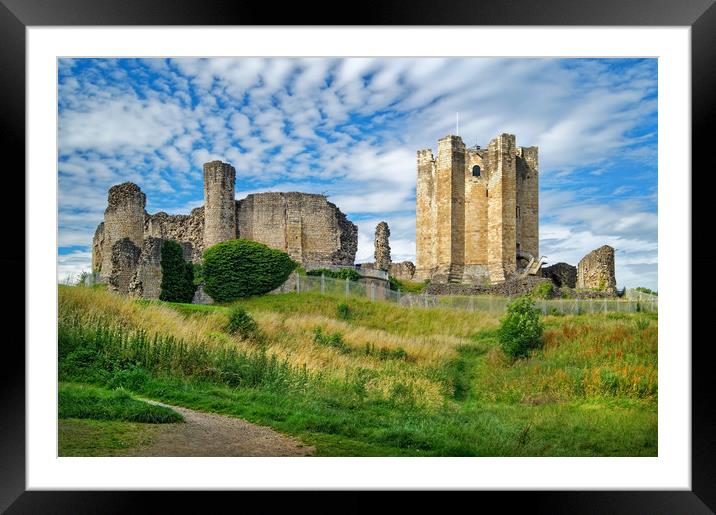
{"points": [[349, 128]]}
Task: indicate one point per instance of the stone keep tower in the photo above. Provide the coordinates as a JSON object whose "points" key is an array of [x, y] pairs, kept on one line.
{"points": [[476, 210], [219, 203]]}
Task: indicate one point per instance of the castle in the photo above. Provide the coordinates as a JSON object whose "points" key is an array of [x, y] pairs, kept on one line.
{"points": [[126, 245], [476, 211]]}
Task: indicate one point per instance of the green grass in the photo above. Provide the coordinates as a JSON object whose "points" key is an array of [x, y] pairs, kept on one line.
{"points": [[406, 286], [86, 437], [89, 402], [591, 389]]}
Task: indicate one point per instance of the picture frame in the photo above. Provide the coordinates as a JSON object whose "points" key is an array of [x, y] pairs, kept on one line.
{"points": [[700, 15]]}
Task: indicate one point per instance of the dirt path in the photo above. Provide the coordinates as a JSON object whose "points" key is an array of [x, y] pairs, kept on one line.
{"points": [[207, 434]]}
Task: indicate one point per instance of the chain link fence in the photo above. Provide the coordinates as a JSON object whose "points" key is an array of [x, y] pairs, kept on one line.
{"points": [[632, 302]]}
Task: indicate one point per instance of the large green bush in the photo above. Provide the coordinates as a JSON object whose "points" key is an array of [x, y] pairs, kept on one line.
{"points": [[240, 268], [521, 329], [177, 275]]}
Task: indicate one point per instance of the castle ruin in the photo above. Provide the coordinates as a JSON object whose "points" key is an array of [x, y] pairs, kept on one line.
{"points": [[476, 211], [125, 247]]}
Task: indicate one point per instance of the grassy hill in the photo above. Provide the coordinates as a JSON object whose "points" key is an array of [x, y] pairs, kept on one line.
{"points": [[371, 378]]}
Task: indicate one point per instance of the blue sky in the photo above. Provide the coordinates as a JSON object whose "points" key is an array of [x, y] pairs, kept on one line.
{"points": [[350, 128]]}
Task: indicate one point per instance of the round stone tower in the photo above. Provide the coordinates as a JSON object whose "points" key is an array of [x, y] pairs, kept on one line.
{"points": [[219, 203], [123, 218]]}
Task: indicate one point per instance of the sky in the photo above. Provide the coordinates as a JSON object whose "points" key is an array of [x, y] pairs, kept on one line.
{"points": [[350, 128]]}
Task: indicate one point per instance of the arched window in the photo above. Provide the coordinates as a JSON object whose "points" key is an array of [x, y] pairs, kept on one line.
{"points": [[476, 171]]}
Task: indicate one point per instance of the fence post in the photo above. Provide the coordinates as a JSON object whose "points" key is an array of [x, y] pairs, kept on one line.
{"points": [[298, 283], [347, 287], [323, 284], [398, 295], [472, 305]]}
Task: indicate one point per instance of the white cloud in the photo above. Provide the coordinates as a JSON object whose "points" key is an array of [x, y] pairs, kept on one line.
{"points": [[351, 127]]}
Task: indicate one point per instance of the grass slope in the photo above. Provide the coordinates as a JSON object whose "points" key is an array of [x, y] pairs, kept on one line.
{"points": [[591, 391], [84, 401]]}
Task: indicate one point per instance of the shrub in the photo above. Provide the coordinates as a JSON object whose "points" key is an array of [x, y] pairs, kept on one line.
{"points": [[198, 273], [641, 323], [240, 268], [543, 290], [177, 275], [343, 311], [334, 340], [520, 330], [343, 273], [242, 324], [646, 290]]}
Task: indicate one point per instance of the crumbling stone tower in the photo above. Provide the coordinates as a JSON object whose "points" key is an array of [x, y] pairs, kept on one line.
{"points": [[596, 270], [219, 203], [476, 210], [123, 218], [382, 247]]}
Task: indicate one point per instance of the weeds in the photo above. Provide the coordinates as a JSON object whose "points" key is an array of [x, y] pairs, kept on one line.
{"points": [[343, 312], [242, 324]]}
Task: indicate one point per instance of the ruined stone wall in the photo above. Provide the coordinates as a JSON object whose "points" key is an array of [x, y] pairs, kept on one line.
{"points": [[180, 228], [124, 258], [425, 211], [596, 270], [147, 280], [501, 208], [382, 247], [405, 270], [306, 226], [123, 218], [219, 203], [528, 200], [98, 248]]}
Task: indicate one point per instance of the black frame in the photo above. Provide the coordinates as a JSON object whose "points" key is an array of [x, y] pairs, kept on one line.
{"points": [[700, 15]]}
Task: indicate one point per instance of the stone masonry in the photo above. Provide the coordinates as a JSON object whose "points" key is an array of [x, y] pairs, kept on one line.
{"points": [[596, 270], [306, 226], [123, 218], [124, 259], [476, 210], [310, 229], [382, 247], [405, 270], [219, 203], [147, 280]]}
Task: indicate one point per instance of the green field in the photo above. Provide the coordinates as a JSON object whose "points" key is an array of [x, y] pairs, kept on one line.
{"points": [[376, 379]]}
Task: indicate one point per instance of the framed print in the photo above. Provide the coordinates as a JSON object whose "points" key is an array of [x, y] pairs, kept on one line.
{"points": [[418, 252]]}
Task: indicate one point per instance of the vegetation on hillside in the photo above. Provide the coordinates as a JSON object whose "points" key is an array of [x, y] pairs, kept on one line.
{"points": [[372, 378], [342, 273], [83, 401], [405, 286]]}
